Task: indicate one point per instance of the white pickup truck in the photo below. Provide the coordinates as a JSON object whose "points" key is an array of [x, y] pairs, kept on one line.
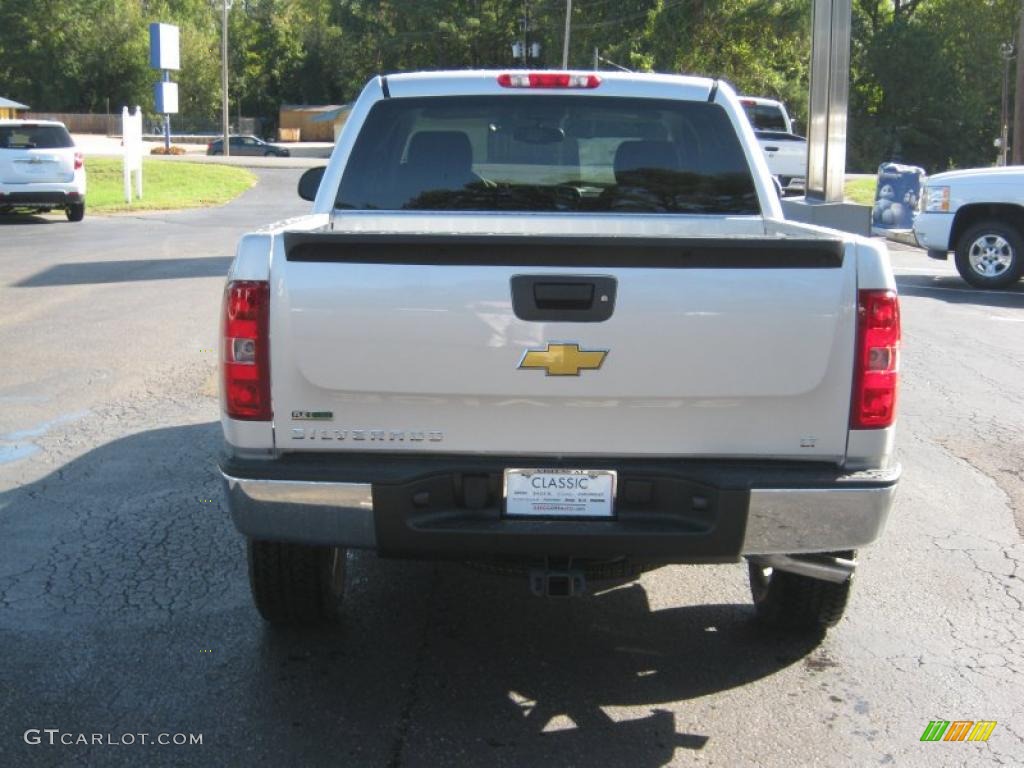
{"points": [[785, 151], [979, 214], [554, 323]]}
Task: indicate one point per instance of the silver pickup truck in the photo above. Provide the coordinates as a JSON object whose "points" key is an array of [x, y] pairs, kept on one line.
{"points": [[978, 213], [785, 151], [554, 324]]}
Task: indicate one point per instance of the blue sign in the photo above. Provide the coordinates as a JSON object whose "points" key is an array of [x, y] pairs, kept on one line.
{"points": [[163, 46], [166, 98]]}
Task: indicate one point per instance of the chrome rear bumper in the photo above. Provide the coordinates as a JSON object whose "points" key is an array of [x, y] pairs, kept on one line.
{"points": [[303, 512], [779, 520], [789, 521]]}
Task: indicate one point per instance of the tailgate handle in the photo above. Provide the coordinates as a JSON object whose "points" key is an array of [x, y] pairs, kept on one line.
{"points": [[771, 149], [563, 298], [563, 295]]}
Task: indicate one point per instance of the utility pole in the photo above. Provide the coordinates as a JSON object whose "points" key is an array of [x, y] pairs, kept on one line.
{"points": [[225, 6], [526, 29], [568, 25], [1006, 51], [1018, 99]]}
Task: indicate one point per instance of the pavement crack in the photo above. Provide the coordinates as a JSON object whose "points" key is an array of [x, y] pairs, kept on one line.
{"points": [[413, 695]]}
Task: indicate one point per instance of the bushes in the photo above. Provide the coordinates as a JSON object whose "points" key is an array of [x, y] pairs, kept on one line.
{"points": [[158, 150]]}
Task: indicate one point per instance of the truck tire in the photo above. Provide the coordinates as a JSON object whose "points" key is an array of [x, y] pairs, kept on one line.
{"points": [[75, 212], [791, 601], [990, 254], [296, 583]]}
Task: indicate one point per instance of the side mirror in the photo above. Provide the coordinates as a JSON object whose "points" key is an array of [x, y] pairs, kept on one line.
{"points": [[309, 182], [778, 187]]}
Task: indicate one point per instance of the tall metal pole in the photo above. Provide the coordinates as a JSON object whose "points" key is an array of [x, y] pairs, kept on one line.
{"points": [[225, 6], [568, 25], [526, 27], [1018, 99], [829, 96], [1006, 50]]}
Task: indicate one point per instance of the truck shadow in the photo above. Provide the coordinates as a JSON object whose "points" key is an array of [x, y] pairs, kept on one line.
{"points": [[127, 270], [124, 600], [503, 678]]}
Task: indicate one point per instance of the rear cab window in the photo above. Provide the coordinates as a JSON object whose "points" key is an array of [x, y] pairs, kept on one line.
{"points": [[548, 153], [766, 117], [35, 137]]}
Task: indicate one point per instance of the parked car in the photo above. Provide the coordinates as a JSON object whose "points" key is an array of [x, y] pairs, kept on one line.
{"points": [[554, 323], [40, 169], [785, 151], [979, 214], [247, 145]]}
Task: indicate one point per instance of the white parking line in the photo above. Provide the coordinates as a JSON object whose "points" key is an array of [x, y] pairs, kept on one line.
{"points": [[969, 291]]}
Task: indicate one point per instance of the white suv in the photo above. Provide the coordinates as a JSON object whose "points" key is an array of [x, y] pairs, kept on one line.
{"points": [[40, 168]]}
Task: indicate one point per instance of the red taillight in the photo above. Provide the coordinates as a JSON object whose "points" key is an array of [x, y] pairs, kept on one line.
{"points": [[877, 364], [78, 160], [245, 350], [547, 80]]}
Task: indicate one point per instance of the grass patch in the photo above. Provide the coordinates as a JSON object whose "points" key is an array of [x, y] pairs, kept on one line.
{"points": [[860, 191], [165, 185]]}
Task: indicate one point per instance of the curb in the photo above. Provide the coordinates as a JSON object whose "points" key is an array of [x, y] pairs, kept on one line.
{"points": [[903, 236], [246, 162]]}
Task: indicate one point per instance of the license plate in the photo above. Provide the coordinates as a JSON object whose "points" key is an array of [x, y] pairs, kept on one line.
{"points": [[40, 167], [586, 493]]}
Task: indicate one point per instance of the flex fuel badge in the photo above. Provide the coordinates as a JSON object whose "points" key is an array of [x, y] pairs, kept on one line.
{"points": [[312, 415]]}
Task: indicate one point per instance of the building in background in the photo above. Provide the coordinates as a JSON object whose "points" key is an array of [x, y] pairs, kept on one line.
{"points": [[311, 122], [9, 109], [337, 117]]}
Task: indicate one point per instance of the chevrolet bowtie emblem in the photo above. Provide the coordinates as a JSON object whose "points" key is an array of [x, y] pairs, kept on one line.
{"points": [[563, 359]]}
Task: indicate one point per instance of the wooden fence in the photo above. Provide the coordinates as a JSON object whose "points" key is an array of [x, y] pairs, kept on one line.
{"points": [[80, 123]]}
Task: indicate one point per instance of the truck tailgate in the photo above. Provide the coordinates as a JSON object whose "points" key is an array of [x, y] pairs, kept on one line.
{"points": [[731, 347], [786, 153]]}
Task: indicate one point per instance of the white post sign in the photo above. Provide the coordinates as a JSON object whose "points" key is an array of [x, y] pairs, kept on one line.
{"points": [[131, 130]]}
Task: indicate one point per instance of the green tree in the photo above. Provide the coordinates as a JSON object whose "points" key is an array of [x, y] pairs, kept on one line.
{"points": [[927, 81], [73, 56], [762, 47]]}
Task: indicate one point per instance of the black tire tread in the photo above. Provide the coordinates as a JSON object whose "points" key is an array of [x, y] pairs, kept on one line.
{"points": [[75, 212], [290, 583], [800, 602], [795, 602]]}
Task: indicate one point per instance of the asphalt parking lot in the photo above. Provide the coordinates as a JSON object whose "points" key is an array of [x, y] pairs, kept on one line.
{"points": [[124, 605]]}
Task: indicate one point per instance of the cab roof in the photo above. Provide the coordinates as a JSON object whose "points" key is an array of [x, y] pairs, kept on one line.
{"points": [[485, 81]]}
